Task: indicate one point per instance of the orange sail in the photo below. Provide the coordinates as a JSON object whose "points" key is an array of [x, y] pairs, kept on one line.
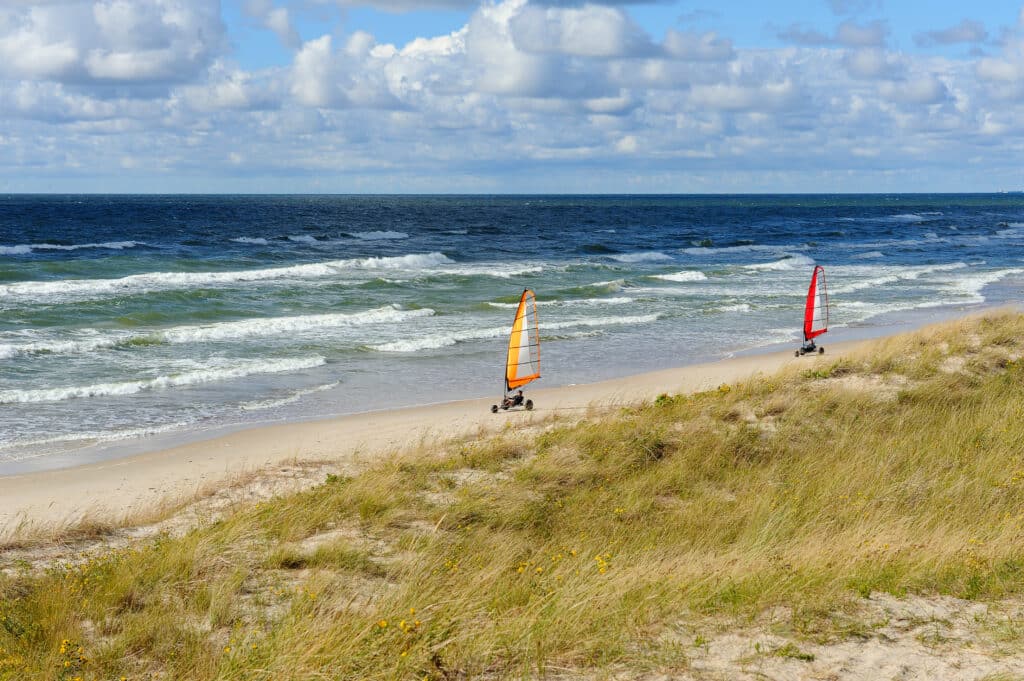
{"points": [[523, 363]]}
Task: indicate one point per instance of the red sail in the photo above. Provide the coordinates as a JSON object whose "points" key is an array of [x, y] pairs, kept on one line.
{"points": [[816, 312]]}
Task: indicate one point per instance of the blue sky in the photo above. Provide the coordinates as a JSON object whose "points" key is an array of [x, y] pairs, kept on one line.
{"points": [[510, 96]]}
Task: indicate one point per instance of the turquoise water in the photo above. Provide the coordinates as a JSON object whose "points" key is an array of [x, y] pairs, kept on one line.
{"points": [[127, 316]]}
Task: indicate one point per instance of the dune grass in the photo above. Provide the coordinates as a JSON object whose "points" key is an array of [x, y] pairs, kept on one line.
{"points": [[599, 544]]}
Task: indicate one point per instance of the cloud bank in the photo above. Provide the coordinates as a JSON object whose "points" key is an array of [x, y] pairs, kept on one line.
{"points": [[113, 95]]}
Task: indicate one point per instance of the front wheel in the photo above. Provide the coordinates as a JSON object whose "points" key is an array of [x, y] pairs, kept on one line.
{"points": [[796, 353], [494, 409], [529, 405], [821, 350]]}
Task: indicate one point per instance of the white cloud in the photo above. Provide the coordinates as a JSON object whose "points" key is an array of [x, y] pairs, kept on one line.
{"points": [[872, 63], [967, 31], [276, 19], [848, 34], [923, 90], [519, 87], [735, 97], [588, 31], [627, 145], [314, 75], [95, 41], [691, 46], [351, 77]]}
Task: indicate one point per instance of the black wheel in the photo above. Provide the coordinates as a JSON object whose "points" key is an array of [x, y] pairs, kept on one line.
{"points": [[796, 353], [821, 350], [529, 405], [494, 409], [504, 407]]}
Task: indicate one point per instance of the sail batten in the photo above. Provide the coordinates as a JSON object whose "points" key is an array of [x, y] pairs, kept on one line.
{"points": [[816, 310], [523, 362]]}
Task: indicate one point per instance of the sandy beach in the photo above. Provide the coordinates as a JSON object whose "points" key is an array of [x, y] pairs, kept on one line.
{"points": [[114, 489]]}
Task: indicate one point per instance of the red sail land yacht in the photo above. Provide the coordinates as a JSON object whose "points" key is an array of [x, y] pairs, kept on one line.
{"points": [[815, 313]]}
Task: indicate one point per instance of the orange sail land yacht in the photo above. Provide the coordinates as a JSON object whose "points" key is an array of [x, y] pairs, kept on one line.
{"points": [[522, 365], [815, 313]]}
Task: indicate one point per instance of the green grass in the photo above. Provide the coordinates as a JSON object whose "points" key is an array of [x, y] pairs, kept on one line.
{"points": [[581, 545]]}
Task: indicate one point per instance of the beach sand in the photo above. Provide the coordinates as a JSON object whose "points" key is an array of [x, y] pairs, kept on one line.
{"points": [[117, 489]]}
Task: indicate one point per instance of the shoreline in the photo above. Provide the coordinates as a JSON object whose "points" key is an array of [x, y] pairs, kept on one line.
{"points": [[140, 444], [114, 489]]}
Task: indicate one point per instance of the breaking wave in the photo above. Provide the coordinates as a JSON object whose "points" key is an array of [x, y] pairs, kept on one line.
{"points": [[436, 341], [152, 281], [895, 275], [790, 262], [379, 235], [207, 375], [222, 331], [642, 256], [688, 275], [22, 249]]}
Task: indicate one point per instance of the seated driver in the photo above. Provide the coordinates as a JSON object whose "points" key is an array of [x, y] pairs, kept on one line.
{"points": [[512, 400]]}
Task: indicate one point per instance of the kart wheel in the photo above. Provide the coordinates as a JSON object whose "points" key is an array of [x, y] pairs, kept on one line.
{"points": [[796, 353], [529, 405], [504, 407], [821, 350], [494, 409]]}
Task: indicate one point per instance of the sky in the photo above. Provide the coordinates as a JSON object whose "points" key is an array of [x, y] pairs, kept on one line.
{"points": [[511, 96]]}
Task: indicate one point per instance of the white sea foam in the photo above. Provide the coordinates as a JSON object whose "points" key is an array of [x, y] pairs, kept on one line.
{"points": [[642, 256], [89, 340], [499, 271], [972, 285], [891, 275], [379, 235], [241, 369], [83, 437], [686, 275], [859, 311], [740, 307], [255, 240], [22, 249], [290, 399], [870, 255], [303, 239], [591, 302], [600, 321], [746, 248], [613, 286], [153, 281], [433, 342], [790, 262], [272, 326], [82, 342], [575, 302], [905, 217]]}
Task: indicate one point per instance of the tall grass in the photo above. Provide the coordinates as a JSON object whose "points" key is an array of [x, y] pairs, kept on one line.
{"points": [[584, 546]]}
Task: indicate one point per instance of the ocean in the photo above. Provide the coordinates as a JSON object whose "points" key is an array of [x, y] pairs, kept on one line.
{"points": [[141, 319]]}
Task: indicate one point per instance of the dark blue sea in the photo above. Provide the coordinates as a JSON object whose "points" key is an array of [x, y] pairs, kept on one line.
{"points": [[122, 317]]}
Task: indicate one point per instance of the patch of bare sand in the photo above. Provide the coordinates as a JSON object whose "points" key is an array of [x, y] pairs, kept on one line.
{"points": [[881, 387], [910, 639]]}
